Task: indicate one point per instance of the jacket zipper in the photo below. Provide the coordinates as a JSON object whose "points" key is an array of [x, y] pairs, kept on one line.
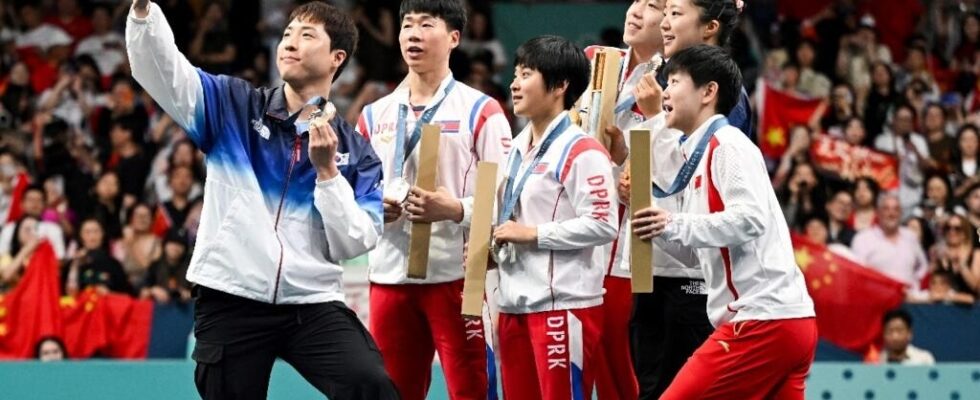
{"points": [[289, 174]]}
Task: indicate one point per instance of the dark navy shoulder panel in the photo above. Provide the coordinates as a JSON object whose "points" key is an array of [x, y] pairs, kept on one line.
{"points": [[246, 128], [363, 167], [741, 115]]}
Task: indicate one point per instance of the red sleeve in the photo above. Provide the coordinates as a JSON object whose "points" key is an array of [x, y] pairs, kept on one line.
{"points": [[362, 128], [491, 108], [580, 146]]}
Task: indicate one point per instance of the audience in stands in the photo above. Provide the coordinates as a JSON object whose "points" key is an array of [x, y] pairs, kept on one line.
{"points": [[890, 248], [898, 348], [166, 279], [50, 348], [92, 265], [32, 203]]}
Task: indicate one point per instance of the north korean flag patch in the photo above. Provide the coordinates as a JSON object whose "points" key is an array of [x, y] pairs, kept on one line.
{"points": [[697, 182], [540, 168], [449, 126]]}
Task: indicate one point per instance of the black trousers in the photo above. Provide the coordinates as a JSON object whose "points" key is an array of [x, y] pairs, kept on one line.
{"points": [[665, 329], [238, 340]]}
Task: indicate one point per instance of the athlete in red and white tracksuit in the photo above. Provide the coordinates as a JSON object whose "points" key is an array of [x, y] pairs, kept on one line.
{"points": [[411, 319], [550, 297], [731, 223], [617, 379], [666, 326]]}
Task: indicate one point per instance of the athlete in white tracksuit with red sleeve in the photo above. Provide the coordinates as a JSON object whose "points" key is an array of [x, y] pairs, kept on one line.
{"points": [[555, 207], [413, 319], [732, 224]]}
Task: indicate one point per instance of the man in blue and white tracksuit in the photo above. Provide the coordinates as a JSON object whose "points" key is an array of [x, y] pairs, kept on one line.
{"points": [[285, 200]]}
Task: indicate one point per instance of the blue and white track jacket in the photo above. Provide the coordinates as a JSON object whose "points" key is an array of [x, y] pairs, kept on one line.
{"points": [[269, 230]]}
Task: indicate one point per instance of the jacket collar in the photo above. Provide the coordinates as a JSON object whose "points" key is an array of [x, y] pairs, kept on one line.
{"points": [[276, 106]]}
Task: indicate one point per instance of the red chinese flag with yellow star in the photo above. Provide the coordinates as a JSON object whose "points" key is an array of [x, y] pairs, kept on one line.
{"points": [[30, 311], [849, 299], [781, 111], [107, 324]]}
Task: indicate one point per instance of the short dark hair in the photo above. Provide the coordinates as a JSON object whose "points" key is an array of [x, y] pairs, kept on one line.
{"points": [[723, 11], [34, 188], [56, 340], [338, 24], [898, 313], [903, 106], [131, 123], [559, 61], [932, 105], [451, 11], [872, 184], [131, 211], [706, 63], [948, 276]]}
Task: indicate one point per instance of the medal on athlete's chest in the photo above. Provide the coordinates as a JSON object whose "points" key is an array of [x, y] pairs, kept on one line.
{"points": [[502, 253], [397, 189]]}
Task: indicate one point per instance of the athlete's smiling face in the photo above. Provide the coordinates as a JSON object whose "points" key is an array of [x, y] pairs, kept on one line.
{"points": [[530, 95], [304, 54], [642, 26], [681, 27]]}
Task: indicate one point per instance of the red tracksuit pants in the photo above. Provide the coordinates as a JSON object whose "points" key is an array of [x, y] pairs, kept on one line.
{"points": [[549, 355], [749, 360], [616, 379], [410, 323]]}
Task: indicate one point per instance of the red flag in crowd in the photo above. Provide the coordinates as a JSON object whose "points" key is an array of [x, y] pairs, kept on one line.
{"points": [[112, 325], [91, 323], [780, 112], [161, 222], [849, 299], [19, 188], [849, 162], [86, 330], [30, 311], [130, 320]]}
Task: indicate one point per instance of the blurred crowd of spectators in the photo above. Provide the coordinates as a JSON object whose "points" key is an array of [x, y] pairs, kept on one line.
{"points": [[899, 77], [91, 164]]}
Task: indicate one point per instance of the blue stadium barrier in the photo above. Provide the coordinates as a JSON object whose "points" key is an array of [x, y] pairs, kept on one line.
{"points": [[846, 381], [167, 380]]}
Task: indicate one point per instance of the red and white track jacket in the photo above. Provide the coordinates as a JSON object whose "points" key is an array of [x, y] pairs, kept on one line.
{"points": [[615, 256], [570, 198], [730, 217], [474, 129]]}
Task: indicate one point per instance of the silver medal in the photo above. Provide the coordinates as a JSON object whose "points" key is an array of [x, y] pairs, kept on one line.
{"points": [[502, 253], [397, 189]]}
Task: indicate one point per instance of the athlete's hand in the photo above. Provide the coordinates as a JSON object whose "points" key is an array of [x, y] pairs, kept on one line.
{"points": [[440, 205], [617, 145], [512, 232], [142, 8], [649, 95], [323, 149], [624, 187], [393, 210], [650, 222]]}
